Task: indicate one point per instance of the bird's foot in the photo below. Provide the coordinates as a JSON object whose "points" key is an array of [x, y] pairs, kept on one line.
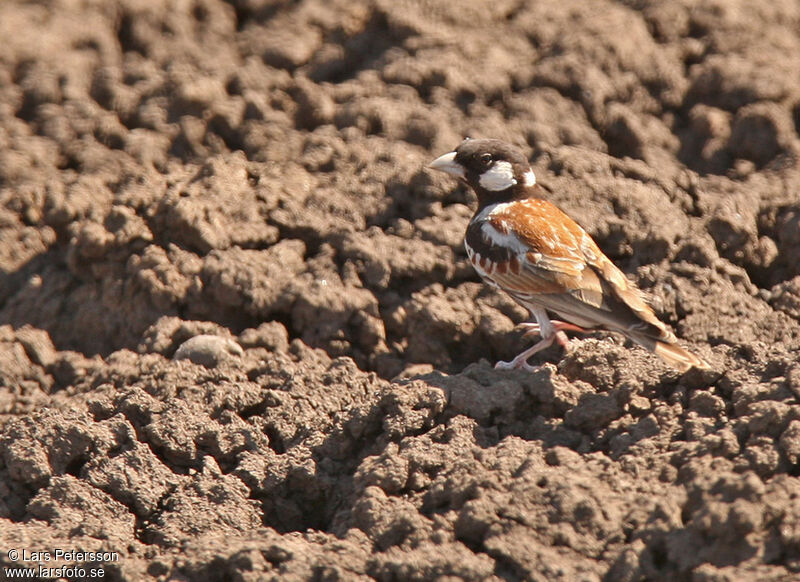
{"points": [[514, 365], [521, 361]]}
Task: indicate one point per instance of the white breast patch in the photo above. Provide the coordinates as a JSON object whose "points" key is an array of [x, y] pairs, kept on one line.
{"points": [[491, 209], [510, 240]]}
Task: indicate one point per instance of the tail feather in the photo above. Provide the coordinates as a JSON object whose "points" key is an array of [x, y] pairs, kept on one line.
{"points": [[671, 353]]}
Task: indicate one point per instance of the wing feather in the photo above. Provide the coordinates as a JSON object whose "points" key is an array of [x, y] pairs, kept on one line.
{"points": [[564, 271]]}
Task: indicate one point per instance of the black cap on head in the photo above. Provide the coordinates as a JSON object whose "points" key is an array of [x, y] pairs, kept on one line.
{"points": [[476, 156], [495, 169]]}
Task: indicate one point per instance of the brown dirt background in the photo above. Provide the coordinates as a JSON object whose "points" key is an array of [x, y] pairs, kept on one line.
{"points": [[253, 170]]}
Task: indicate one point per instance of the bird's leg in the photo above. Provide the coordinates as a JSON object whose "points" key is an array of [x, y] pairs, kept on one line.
{"points": [[563, 340], [560, 327], [549, 334], [533, 328], [521, 361]]}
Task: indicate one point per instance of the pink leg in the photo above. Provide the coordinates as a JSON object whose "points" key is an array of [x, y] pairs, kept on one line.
{"points": [[521, 361], [533, 328], [549, 332]]}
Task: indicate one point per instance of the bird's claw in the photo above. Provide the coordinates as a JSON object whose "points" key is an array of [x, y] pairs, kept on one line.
{"points": [[512, 365]]}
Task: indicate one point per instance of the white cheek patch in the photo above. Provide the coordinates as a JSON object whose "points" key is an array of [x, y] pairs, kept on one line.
{"points": [[529, 178], [499, 177]]}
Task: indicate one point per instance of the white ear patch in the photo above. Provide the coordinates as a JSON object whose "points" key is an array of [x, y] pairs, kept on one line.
{"points": [[499, 177], [529, 178]]}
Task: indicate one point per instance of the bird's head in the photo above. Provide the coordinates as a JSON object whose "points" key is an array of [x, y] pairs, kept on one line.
{"points": [[497, 171]]}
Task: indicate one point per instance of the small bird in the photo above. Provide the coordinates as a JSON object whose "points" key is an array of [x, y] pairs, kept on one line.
{"points": [[524, 245]]}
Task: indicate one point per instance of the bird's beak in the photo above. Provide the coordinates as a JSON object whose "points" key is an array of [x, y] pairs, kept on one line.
{"points": [[447, 163]]}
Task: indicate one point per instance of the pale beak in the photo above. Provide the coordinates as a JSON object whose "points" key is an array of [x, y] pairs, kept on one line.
{"points": [[447, 163]]}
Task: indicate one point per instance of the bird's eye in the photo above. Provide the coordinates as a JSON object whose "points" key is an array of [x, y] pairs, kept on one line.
{"points": [[485, 159]]}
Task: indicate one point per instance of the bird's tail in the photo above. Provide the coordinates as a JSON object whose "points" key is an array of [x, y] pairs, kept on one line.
{"points": [[680, 358], [671, 352]]}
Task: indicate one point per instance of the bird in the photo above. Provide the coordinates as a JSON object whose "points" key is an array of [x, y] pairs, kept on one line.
{"points": [[526, 246]]}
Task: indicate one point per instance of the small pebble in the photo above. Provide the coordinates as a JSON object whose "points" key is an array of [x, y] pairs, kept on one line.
{"points": [[208, 350]]}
